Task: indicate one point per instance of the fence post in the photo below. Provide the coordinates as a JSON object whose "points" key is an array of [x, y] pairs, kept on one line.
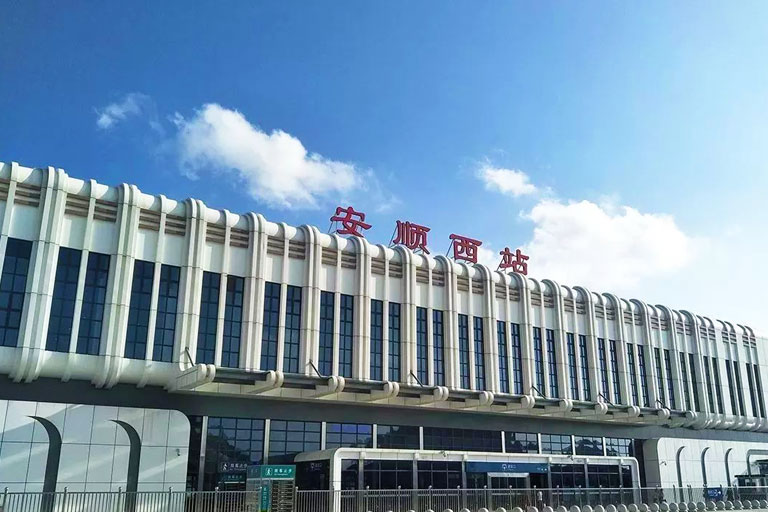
{"points": [[168, 507], [216, 498]]}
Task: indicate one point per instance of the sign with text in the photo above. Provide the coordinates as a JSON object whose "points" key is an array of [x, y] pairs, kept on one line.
{"points": [[506, 467], [277, 472]]}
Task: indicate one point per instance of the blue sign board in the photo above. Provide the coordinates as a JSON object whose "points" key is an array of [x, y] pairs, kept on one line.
{"points": [[506, 467], [715, 493]]}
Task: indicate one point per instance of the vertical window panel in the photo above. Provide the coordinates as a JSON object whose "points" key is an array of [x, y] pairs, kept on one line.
{"points": [[684, 374], [584, 358], [573, 377], [94, 298], [438, 348], [708, 380], [694, 384], [552, 356], [615, 372], [632, 374], [13, 286], [464, 351], [167, 307], [718, 388], [233, 322], [325, 356], [63, 301], [501, 338], [759, 387], [270, 327], [739, 389], [377, 339], [139, 310], [603, 367], [643, 375], [517, 357], [346, 334], [752, 397], [538, 361], [731, 388], [479, 353], [292, 329], [421, 344], [670, 387], [209, 318], [394, 342], [659, 376]]}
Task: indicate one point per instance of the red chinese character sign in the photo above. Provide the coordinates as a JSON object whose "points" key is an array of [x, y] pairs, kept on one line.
{"points": [[351, 221], [464, 248], [412, 236], [516, 261]]}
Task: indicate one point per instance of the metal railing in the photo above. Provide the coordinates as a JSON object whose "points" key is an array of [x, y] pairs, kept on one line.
{"points": [[369, 500]]}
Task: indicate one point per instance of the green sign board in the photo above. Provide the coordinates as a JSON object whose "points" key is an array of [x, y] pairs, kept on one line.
{"points": [[266, 497], [277, 472]]}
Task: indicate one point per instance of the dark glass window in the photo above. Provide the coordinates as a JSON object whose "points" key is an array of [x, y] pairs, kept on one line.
{"points": [[438, 355], [557, 444], [588, 445], [346, 335], [138, 313], [615, 373], [349, 435], [439, 474], [63, 303], [718, 390], [167, 306], [231, 440], [573, 377], [464, 351], [670, 387], [731, 388], [632, 373], [567, 476], [350, 470], [233, 323], [479, 353], [501, 337], [94, 297], [694, 383], [659, 375], [521, 442], [292, 329], [377, 338], [288, 438], [388, 474], [459, 439], [759, 387], [421, 344], [394, 342], [708, 380], [325, 356], [617, 447], [684, 384], [397, 436], [517, 358], [538, 361], [606, 476], [554, 388], [270, 327], [751, 384], [739, 389], [584, 360], [209, 318], [603, 367], [643, 375], [13, 286]]}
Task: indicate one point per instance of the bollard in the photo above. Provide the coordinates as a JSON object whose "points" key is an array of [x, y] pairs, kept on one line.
{"points": [[673, 507], [632, 507], [664, 507], [547, 508], [587, 508], [501, 509], [482, 509], [447, 510], [621, 507], [599, 508], [575, 508], [531, 509], [711, 505], [610, 508], [729, 505], [644, 507], [561, 508], [720, 505], [517, 509], [682, 507]]}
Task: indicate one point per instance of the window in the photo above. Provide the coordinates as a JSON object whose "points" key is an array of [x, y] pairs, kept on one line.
{"points": [[684, 374], [670, 387], [759, 387], [94, 297], [292, 329], [751, 384], [607, 476], [615, 373], [288, 438], [209, 318], [13, 286], [501, 337], [167, 306], [270, 327], [138, 313], [584, 360], [632, 373], [552, 357], [233, 321], [739, 389], [617, 447], [643, 375], [603, 367], [731, 388], [517, 358], [659, 376], [708, 380], [459, 439], [479, 354], [231, 440], [586, 445], [438, 356], [325, 355], [350, 435], [464, 351], [388, 474], [439, 474], [521, 442], [346, 335], [394, 342], [396, 436], [377, 338], [573, 376], [694, 383], [718, 390], [567, 476], [63, 302], [538, 359], [421, 345], [556, 444]]}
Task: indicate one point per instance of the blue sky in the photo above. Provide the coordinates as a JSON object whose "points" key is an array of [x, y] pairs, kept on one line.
{"points": [[659, 107]]}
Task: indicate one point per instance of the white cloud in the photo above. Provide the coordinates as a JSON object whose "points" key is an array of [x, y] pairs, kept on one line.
{"points": [[275, 167], [507, 181], [605, 247], [132, 104], [488, 256]]}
